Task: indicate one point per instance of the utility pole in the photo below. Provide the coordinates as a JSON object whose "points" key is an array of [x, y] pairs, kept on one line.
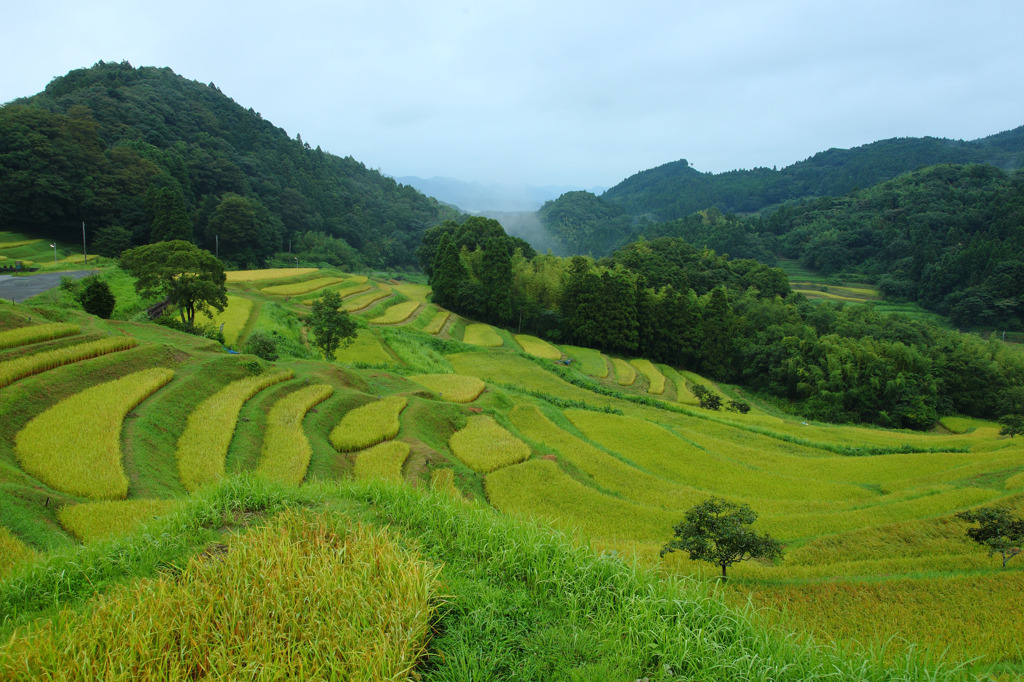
{"points": [[84, 254], [216, 240]]}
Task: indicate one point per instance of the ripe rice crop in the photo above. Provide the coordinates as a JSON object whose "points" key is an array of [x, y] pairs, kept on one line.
{"points": [[654, 377], [625, 375], [538, 347], [437, 322], [540, 489], [95, 520], [384, 461], [355, 303], [13, 552], [270, 273], [400, 312], [75, 446], [455, 388], [233, 319], [358, 279], [286, 450], [590, 361], [365, 348], [19, 368], [33, 334], [369, 425], [683, 392], [299, 288], [1016, 481], [416, 292], [23, 242], [277, 605], [203, 446], [482, 335], [483, 445]]}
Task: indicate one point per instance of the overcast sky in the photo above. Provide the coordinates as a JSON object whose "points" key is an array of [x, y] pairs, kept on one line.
{"points": [[569, 93]]}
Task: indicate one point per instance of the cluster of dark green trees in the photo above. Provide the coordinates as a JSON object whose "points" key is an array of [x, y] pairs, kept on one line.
{"points": [[733, 320], [144, 155]]}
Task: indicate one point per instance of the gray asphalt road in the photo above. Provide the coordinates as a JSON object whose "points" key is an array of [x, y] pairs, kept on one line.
{"points": [[19, 288]]}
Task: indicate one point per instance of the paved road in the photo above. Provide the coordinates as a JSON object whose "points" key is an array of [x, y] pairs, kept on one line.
{"points": [[19, 288]]}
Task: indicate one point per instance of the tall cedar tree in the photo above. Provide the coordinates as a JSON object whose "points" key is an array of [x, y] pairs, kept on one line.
{"points": [[448, 273], [496, 277]]}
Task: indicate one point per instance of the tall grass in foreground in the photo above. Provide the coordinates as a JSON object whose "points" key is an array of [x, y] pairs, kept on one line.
{"points": [[19, 368], [35, 333], [94, 520], [278, 605], [368, 425], [203, 446], [75, 446], [13, 551], [286, 450], [483, 445], [383, 461]]}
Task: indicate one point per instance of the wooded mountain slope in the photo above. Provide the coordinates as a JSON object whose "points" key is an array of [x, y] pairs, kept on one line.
{"points": [[142, 154]]}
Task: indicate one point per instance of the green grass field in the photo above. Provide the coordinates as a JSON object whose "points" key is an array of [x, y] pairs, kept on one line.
{"points": [[873, 551]]}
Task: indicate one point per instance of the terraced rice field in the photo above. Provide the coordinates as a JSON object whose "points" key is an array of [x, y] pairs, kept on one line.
{"points": [[369, 425], [28, 365], [97, 520], [13, 552], [537, 347], [23, 336], [75, 445], [482, 335], [398, 313], [304, 287], [625, 375], [383, 461], [235, 276], [483, 445], [356, 303], [366, 348], [655, 379], [232, 320], [437, 322], [203, 446], [452, 387], [286, 450], [590, 361]]}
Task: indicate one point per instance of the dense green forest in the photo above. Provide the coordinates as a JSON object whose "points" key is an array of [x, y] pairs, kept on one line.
{"points": [[732, 319], [143, 155]]}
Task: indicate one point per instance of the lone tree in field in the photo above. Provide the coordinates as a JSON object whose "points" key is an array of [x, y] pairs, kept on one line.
{"points": [[718, 531], [998, 531], [1013, 425], [189, 278], [330, 325]]}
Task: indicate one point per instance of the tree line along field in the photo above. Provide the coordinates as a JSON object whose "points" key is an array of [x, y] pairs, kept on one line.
{"points": [[610, 450]]}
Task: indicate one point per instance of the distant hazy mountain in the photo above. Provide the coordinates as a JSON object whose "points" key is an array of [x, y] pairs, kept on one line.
{"points": [[477, 197]]}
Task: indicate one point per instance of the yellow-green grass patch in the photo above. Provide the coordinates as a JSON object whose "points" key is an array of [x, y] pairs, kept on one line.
{"points": [[383, 461], [658, 451], [13, 552], [19, 368], [1015, 481], [443, 481], [480, 334], [358, 279], [268, 274], [415, 292], [484, 445], [75, 446], [23, 242], [538, 347], [355, 303], [368, 425], [286, 450], [437, 322], [365, 348], [625, 375], [591, 361], [962, 425], [919, 610], [279, 604], [96, 520], [655, 378], [35, 333], [299, 288], [683, 392], [233, 319], [540, 489], [203, 446], [400, 312], [456, 388]]}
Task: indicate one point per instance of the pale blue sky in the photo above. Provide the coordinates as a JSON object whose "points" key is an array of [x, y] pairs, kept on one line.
{"points": [[583, 93]]}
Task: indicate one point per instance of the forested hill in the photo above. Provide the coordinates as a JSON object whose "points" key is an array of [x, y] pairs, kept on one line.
{"points": [[143, 154], [675, 190]]}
